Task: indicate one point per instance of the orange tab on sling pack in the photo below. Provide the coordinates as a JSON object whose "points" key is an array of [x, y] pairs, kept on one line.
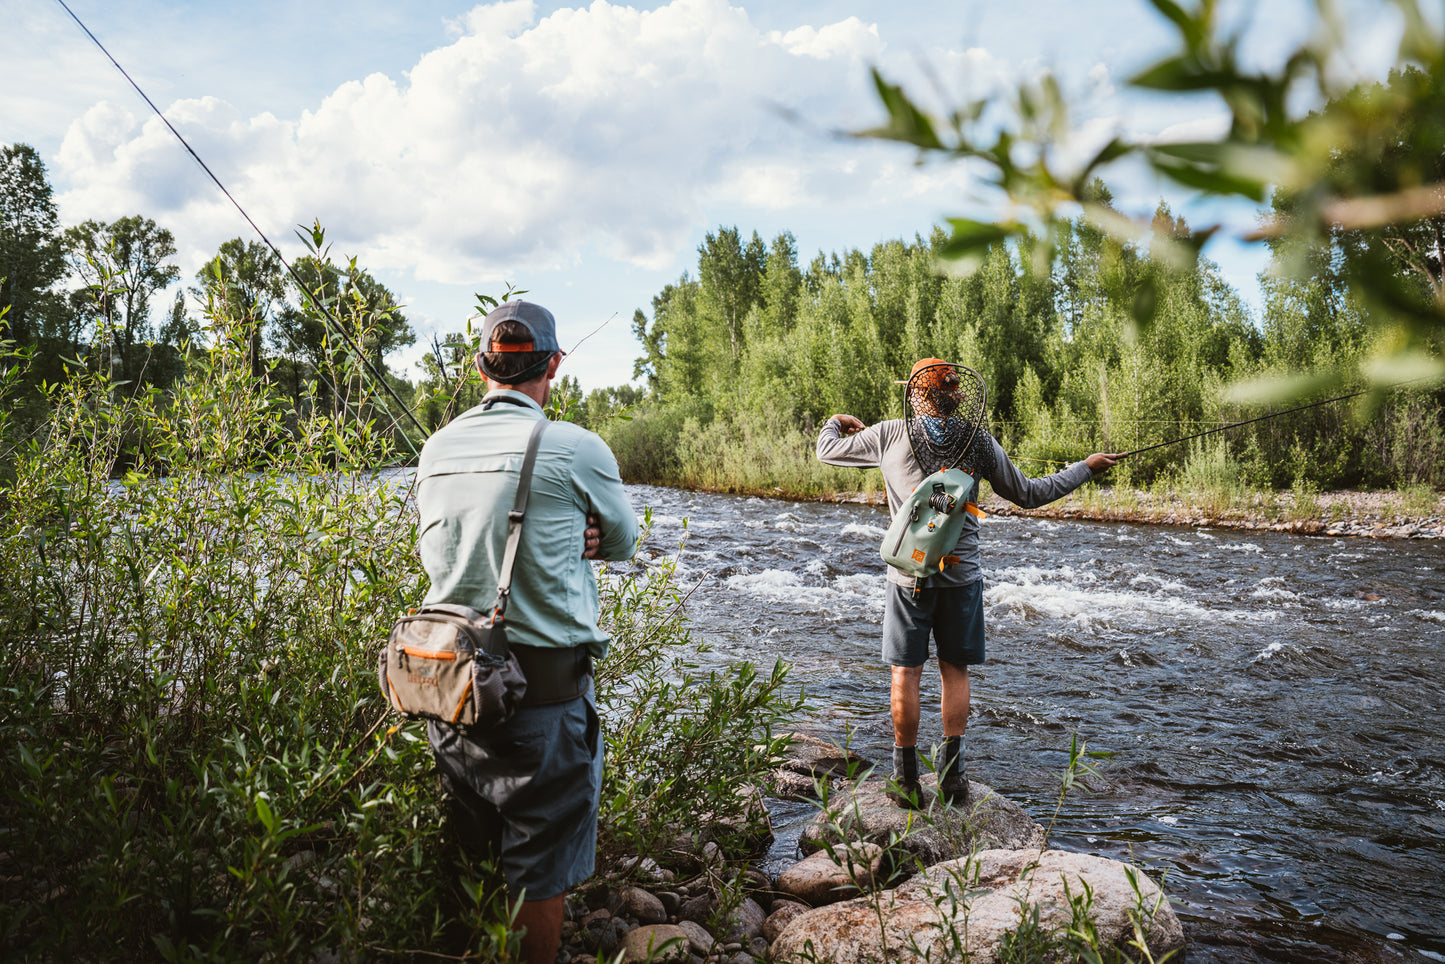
{"points": [[972, 508]]}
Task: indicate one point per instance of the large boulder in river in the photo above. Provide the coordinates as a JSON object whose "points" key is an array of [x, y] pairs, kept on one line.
{"points": [[962, 909], [920, 838], [810, 762]]}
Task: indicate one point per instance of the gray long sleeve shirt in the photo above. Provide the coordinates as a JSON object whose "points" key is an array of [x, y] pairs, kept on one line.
{"points": [[885, 446]]}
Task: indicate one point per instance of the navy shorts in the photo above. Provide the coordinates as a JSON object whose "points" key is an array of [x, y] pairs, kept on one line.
{"points": [[525, 794], [953, 614]]}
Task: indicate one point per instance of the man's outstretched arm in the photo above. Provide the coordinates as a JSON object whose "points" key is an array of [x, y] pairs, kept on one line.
{"points": [[1029, 493]]}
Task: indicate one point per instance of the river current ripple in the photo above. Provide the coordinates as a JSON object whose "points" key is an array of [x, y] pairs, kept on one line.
{"points": [[1274, 701]]}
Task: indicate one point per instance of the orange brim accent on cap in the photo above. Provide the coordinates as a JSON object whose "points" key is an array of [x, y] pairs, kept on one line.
{"points": [[511, 346]]}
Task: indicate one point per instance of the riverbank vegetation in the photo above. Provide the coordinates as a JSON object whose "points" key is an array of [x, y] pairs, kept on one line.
{"points": [[197, 763]]}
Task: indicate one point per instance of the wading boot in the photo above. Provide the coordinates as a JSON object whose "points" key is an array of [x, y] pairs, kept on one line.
{"points": [[905, 790], [952, 782]]}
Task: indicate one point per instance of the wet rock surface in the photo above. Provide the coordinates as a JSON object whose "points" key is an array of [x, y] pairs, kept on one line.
{"points": [[957, 873], [962, 909]]}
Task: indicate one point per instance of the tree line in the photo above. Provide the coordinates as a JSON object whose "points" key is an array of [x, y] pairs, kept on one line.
{"points": [[1101, 345], [93, 296]]}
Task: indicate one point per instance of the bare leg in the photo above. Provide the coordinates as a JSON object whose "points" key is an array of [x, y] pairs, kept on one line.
{"points": [[904, 703], [954, 703], [543, 921]]}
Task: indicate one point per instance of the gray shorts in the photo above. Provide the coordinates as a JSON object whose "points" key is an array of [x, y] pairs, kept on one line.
{"points": [[953, 614], [525, 794]]}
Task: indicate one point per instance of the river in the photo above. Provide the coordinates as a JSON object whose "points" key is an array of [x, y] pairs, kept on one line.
{"points": [[1274, 701]]}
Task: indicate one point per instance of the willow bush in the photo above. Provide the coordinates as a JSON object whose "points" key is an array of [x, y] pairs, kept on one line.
{"points": [[195, 761]]}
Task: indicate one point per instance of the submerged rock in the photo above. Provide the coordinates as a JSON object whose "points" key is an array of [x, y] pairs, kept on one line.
{"points": [[962, 909], [810, 762]]}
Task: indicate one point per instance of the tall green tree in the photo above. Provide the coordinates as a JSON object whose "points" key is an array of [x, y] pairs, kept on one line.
{"points": [[364, 316], [782, 282], [730, 276], [32, 257], [247, 279], [121, 266]]}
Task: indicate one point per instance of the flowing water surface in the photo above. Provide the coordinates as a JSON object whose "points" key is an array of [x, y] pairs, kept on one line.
{"points": [[1275, 701]]}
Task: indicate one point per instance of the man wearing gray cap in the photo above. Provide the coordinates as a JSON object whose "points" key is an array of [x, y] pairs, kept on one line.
{"points": [[525, 794]]}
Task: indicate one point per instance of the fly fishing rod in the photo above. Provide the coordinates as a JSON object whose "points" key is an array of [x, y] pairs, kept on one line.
{"points": [[1260, 418], [305, 289]]}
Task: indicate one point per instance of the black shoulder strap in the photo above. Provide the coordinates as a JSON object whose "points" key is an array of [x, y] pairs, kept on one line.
{"points": [[514, 517]]}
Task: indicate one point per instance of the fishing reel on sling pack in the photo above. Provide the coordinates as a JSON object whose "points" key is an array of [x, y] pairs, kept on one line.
{"points": [[945, 415]]}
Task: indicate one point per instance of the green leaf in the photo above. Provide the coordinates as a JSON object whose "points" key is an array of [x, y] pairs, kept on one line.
{"points": [[1176, 13], [906, 122], [265, 815], [1182, 73], [1112, 151], [963, 252], [1280, 388], [1213, 181], [1146, 303], [968, 235], [1418, 368]]}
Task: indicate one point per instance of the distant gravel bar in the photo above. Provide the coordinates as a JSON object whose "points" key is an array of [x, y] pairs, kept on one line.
{"points": [[1376, 515]]}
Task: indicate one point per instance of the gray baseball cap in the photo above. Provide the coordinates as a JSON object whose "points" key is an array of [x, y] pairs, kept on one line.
{"points": [[534, 318]]}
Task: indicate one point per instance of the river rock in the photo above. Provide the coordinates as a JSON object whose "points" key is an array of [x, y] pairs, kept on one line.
{"points": [[921, 838], [602, 933], [743, 923], [702, 942], [783, 913], [810, 761], [644, 907], [826, 878], [646, 869], [647, 943], [697, 909], [962, 909]]}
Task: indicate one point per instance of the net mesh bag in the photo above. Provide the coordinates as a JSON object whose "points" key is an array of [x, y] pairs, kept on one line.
{"points": [[945, 418]]}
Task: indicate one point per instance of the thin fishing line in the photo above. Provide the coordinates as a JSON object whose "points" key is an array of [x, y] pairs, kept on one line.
{"points": [[320, 306]]}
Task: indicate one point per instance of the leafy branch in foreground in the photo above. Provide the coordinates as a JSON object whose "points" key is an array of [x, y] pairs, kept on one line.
{"points": [[1360, 165]]}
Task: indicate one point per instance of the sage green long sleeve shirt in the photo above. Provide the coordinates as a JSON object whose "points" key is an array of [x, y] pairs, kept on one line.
{"points": [[467, 481]]}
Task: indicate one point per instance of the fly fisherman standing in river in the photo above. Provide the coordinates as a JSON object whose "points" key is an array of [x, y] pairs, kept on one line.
{"points": [[940, 432]]}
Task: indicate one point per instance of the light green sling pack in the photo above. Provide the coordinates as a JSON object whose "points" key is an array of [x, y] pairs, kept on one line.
{"points": [[921, 539]]}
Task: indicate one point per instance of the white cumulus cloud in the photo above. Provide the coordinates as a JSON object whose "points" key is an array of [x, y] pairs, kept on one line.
{"points": [[520, 143]]}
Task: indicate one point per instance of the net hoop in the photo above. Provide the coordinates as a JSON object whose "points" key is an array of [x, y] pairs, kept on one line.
{"points": [[945, 404]]}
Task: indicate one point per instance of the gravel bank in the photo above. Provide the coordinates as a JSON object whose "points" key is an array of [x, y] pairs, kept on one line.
{"points": [[1375, 515]]}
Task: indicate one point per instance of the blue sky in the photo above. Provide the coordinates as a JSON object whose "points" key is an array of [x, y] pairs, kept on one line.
{"points": [[578, 151]]}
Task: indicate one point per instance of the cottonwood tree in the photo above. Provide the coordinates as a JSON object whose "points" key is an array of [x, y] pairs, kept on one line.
{"points": [[343, 348], [121, 265], [32, 258], [245, 280]]}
